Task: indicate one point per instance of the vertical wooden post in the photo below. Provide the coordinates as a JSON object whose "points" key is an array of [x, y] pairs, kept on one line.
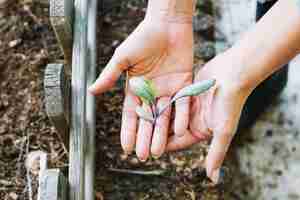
{"points": [[52, 185], [78, 42], [57, 94], [90, 104], [61, 16], [78, 131]]}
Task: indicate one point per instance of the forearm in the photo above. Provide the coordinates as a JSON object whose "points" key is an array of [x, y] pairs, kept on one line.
{"points": [[272, 42], [177, 10]]}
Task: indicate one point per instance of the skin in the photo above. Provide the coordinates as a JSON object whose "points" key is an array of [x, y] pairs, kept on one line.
{"points": [[270, 44], [161, 49]]}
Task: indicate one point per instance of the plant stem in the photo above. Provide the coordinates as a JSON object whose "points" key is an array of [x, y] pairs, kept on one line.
{"points": [[151, 108], [160, 112], [138, 172]]}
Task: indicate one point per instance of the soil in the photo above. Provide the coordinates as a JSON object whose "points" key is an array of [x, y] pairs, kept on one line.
{"points": [[27, 45]]}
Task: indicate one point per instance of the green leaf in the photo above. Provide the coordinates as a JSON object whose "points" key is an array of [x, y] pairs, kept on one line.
{"points": [[151, 87], [191, 90], [143, 89], [195, 89]]}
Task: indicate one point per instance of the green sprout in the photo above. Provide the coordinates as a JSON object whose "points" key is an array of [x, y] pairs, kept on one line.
{"points": [[145, 89]]}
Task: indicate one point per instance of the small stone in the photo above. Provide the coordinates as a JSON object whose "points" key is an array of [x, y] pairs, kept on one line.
{"points": [[2, 129], [163, 165], [123, 156], [33, 161], [134, 161], [14, 43], [110, 155], [6, 183], [178, 162], [13, 196], [115, 43]]}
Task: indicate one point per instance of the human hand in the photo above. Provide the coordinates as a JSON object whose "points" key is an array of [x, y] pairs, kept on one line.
{"points": [[162, 51], [216, 113], [237, 72]]}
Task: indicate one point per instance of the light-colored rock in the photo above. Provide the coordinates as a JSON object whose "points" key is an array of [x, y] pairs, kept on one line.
{"points": [[14, 43]]}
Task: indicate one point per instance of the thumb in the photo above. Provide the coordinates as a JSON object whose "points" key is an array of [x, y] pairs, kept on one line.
{"points": [[109, 75], [216, 154]]}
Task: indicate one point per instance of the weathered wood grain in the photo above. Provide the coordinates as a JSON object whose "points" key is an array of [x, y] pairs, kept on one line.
{"points": [[61, 16], [78, 131], [52, 185], [57, 95], [90, 104]]}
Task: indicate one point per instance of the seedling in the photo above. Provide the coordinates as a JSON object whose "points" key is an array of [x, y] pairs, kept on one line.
{"points": [[145, 89]]}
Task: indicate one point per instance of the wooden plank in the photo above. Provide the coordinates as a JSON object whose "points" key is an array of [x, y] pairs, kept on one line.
{"points": [[43, 168], [90, 104], [78, 131], [61, 16], [52, 185], [57, 94]]}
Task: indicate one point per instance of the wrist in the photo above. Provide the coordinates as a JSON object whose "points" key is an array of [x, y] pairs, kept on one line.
{"points": [[229, 71], [178, 11], [242, 71]]}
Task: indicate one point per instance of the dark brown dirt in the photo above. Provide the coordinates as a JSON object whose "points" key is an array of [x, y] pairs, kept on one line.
{"points": [[27, 45]]}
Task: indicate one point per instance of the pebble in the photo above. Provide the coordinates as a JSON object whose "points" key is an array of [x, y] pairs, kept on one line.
{"points": [[134, 161], [14, 43], [13, 196], [6, 183], [2, 129], [163, 165], [123, 156], [33, 161]]}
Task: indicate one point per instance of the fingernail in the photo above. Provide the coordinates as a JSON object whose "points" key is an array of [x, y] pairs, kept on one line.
{"points": [[179, 134], [143, 160], [90, 89], [215, 176]]}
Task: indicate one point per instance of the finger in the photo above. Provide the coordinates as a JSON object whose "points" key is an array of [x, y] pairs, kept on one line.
{"points": [[182, 116], [129, 123], [144, 138], [216, 154], [109, 75], [160, 135], [178, 143]]}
